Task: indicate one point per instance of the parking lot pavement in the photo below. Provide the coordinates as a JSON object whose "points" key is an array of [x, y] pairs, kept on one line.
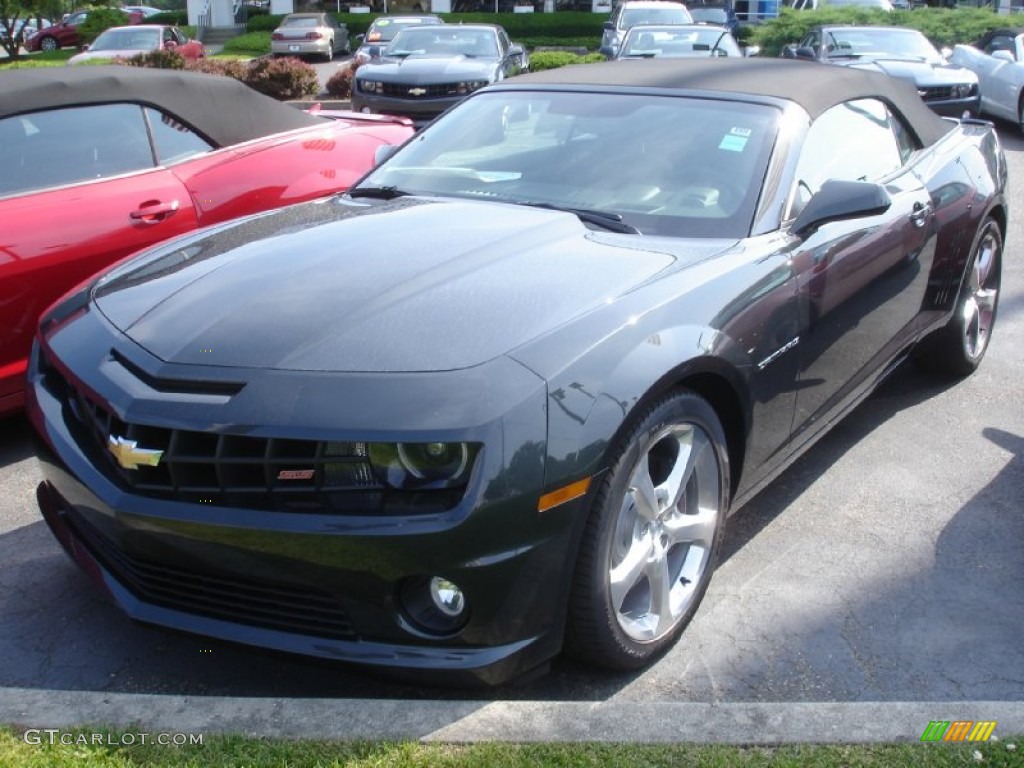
{"points": [[881, 577]]}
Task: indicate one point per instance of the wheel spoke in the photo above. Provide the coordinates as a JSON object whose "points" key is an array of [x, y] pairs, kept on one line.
{"points": [[644, 494], [692, 443], [986, 300], [661, 582], [693, 528], [624, 576], [983, 262]]}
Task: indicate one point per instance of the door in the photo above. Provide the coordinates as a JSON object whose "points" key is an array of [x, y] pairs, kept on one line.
{"points": [[861, 283], [80, 190]]}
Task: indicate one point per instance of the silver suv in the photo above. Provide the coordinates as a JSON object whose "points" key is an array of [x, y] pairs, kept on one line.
{"points": [[633, 12]]}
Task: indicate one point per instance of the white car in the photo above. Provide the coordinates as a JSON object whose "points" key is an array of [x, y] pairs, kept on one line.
{"points": [[631, 13], [998, 61]]}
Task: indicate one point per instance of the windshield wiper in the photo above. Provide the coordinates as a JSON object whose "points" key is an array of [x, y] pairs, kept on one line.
{"points": [[380, 193], [610, 221]]}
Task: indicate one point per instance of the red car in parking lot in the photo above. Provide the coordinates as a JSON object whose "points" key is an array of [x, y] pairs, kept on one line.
{"points": [[101, 161]]}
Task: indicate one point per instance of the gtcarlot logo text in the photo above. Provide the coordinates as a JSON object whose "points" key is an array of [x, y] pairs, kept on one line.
{"points": [[57, 736]]}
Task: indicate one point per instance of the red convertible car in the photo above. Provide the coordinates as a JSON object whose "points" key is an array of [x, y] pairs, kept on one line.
{"points": [[101, 161]]}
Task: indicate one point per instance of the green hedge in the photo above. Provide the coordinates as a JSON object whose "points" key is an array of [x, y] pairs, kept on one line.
{"points": [[177, 18], [518, 25], [942, 26]]}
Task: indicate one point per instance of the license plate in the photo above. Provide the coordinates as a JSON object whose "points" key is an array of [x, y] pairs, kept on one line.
{"points": [[293, 47]]}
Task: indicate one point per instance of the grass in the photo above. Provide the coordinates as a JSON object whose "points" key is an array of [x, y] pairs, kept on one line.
{"points": [[226, 751], [56, 58]]}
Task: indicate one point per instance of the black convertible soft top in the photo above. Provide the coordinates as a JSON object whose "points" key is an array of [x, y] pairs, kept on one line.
{"points": [[815, 87], [222, 109]]}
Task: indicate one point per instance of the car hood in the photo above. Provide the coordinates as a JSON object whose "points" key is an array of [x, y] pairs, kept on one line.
{"points": [[416, 284], [916, 71], [426, 68]]}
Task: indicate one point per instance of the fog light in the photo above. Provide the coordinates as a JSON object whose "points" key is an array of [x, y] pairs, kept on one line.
{"points": [[447, 597], [433, 605]]}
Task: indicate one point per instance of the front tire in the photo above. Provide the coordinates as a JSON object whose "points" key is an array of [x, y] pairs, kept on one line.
{"points": [[48, 44], [959, 347], [653, 536]]}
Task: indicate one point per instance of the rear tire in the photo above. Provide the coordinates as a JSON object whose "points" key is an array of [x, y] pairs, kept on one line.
{"points": [[959, 347], [652, 540]]}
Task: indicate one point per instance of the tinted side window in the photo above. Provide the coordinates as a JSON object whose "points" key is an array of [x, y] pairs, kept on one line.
{"points": [[869, 152], [174, 141], [64, 146], [1000, 43]]}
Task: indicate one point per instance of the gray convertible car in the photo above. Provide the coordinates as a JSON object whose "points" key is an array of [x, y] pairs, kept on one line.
{"points": [[499, 398]]}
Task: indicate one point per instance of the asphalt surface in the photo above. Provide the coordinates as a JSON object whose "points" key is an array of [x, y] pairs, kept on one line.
{"points": [[875, 586]]}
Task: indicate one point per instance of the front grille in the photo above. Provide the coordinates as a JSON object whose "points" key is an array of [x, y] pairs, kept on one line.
{"points": [[235, 470], [936, 93], [436, 91], [305, 610]]}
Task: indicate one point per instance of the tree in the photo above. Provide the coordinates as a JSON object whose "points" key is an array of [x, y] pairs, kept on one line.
{"points": [[15, 13]]}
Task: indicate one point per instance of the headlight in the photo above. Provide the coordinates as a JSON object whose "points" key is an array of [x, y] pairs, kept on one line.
{"points": [[469, 86], [963, 90], [422, 465], [371, 86]]}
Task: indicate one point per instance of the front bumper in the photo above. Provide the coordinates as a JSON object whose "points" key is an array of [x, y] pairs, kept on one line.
{"points": [[327, 584], [955, 107], [418, 109]]}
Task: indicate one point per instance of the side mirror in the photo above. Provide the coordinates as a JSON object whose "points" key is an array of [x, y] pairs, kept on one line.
{"points": [[515, 49], [804, 52], [85, 47], [608, 25], [170, 45], [1003, 56], [838, 201], [360, 37], [752, 50], [383, 152]]}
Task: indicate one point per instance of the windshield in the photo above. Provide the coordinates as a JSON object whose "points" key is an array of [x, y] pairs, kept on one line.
{"points": [[900, 43], [666, 165], [384, 30], [451, 40], [679, 41], [710, 15], [668, 15], [309, 22], [126, 38]]}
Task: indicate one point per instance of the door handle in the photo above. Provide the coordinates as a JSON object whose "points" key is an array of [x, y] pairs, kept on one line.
{"points": [[920, 214], [153, 211]]}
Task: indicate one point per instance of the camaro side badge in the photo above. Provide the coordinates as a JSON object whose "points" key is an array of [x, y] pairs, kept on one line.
{"points": [[130, 456], [778, 353]]}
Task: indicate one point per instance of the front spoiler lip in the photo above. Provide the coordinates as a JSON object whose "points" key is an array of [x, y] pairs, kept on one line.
{"points": [[477, 662]]}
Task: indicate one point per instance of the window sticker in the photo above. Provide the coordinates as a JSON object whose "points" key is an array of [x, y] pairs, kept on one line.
{"points": [[731, 143]]}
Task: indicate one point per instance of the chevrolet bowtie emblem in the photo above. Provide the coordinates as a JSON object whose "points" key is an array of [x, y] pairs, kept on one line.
{"points": [[417, 91], [130, 456]]}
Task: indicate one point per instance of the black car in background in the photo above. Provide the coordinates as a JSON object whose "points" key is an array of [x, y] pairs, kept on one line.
{"points": [[897, 52], [500, 397], [427, 69]]}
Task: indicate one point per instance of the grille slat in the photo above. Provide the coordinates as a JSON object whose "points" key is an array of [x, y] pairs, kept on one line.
{"points": [[291, 609]]}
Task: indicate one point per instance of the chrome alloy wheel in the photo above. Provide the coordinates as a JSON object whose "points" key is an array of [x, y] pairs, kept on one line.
{"points": [[665, 531], [979, 305]]}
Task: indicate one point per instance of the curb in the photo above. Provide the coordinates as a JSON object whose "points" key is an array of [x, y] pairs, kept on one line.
{"points": [[504, 721]]}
